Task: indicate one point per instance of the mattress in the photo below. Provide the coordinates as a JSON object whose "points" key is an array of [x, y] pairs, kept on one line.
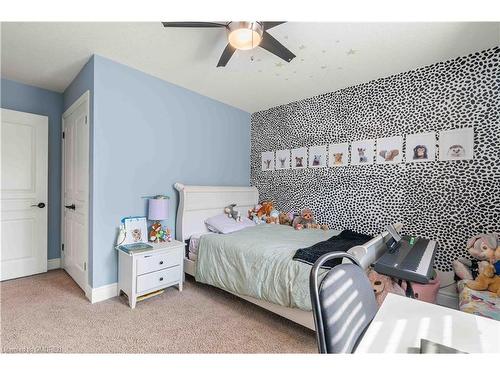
{"points": [[257, 262]]}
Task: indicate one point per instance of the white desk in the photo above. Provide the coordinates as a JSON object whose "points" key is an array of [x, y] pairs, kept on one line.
{"points": [[401, 322]]}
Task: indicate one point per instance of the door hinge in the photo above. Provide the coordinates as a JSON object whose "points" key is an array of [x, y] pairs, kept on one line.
{"points": [[63, 135], [85, 118], [62, 247], [85, 266]]}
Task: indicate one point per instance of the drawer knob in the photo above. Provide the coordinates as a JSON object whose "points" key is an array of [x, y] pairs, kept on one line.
{"points": [[161, 261], [161, 278]]}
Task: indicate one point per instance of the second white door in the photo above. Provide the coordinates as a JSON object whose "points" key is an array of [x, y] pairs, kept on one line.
{"points": [[76, 190]]}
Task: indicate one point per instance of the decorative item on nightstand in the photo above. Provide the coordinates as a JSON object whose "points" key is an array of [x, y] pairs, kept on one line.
{"points": [[157, 211]]}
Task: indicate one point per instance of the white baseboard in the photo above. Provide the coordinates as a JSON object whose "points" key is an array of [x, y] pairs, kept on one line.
{"points": [[103, 293], [53, 264]]}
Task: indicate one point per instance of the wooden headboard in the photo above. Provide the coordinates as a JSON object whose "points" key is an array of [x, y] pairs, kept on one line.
{"points": [[198, 203]]}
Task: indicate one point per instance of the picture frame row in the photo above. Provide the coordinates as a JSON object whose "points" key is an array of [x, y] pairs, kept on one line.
{"points": [[454, 144]]}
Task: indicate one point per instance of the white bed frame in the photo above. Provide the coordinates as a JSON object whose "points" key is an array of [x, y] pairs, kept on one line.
{"points": [[197, 203]]}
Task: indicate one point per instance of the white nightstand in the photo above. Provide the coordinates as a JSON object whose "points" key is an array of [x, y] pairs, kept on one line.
{"points": [[144, 272]]}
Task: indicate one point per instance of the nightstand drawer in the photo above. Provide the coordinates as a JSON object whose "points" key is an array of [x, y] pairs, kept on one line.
{"points": [[158, 279], [151, 263]]}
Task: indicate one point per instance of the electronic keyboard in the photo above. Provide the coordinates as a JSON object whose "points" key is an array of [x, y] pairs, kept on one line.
{"points": [[411, 262]]}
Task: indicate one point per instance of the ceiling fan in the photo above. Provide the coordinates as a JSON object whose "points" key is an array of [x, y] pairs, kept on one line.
{"points": [[245, 36]]}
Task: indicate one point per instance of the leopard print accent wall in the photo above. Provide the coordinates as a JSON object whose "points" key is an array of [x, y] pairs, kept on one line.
{"points": [[444, 200]]}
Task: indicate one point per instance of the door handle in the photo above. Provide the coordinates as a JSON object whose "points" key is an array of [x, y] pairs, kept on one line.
{"points": [[39, 205], [71, 206]]}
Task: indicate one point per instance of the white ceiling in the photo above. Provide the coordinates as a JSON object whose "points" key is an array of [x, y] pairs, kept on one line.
{"points": [[330, 56]]}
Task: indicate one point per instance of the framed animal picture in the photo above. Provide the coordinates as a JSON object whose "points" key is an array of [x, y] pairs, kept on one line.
{"points": [[268, 161], [362, 152], [317, 156], [457, 144], [420, 147], [299, 158], [338, 154], [390, 150], [282, 159]]}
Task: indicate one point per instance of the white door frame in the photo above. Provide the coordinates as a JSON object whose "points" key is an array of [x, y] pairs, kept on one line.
{"points": [[85, 97]]}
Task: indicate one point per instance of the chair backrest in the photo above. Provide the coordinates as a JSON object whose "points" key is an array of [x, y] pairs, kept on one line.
{"points": [[343, 304]]}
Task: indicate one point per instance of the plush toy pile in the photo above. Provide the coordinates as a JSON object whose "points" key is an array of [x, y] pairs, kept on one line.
{"points": [[484, 249], [483, 270], [265, 213]]}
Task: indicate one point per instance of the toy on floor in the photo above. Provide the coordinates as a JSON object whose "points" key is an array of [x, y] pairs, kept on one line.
{"points": [[383, 285], [487, 280], [306, 220], [483, 248], [231, 212]]}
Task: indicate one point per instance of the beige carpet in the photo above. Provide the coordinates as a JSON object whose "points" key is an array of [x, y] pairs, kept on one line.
{"points": [[49, 313]]}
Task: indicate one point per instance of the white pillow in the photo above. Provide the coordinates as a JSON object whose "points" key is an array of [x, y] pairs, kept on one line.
{"points": [[223, 224]]}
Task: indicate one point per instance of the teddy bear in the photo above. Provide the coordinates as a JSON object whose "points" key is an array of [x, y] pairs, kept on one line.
{"points": [[252, 215], [483, 248], [486, 280], [231, 212], [286, 218], [265, 209], [306, 220], [383, 285]]}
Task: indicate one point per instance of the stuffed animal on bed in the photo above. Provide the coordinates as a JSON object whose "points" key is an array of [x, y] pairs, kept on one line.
{"points": [[265, 209], [484, 249], [286, 218], [486, 280], [252, 215], [231, 212], [306, 220], [273, 217]]}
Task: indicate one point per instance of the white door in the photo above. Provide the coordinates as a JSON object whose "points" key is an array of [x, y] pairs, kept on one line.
{"points": [[24, 194], [76, 191]]}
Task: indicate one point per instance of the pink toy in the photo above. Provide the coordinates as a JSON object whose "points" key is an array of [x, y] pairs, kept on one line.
{"points": [[426, 292], [383, 285]]}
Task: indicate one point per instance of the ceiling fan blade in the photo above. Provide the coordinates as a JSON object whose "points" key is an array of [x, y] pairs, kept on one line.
{"points": [[272, 45], [226, 55], [193, 24], [270, 24]]}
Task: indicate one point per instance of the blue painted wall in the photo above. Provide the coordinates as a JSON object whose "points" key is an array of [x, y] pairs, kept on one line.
{"points": [[149, 134], [20, 97]]}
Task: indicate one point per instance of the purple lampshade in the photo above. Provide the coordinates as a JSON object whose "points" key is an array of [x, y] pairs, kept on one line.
{"points": [[158, 209]]}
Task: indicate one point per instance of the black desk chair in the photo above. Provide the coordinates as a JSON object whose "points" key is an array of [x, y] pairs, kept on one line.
{"points": [[343, 304]]}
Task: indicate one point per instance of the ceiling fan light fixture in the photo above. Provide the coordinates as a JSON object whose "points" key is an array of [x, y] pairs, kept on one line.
{"points": [[245, 35]]}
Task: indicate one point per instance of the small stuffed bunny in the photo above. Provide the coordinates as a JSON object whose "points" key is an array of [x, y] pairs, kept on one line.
{"points": [[484, 249]]}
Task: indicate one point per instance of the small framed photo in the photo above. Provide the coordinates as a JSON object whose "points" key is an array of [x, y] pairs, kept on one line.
{"points": [[338, 154], [420, 147], [457, 144], [390, 150], [136, 230], [299, 158], [268, 161], [362, 152], [317, 156], [283, 159]]}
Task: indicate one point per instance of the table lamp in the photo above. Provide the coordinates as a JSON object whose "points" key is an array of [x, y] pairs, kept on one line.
{"points": [[157, 211]]}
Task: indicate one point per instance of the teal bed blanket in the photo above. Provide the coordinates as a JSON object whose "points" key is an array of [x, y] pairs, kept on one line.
{"points": [[257, 262]]}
